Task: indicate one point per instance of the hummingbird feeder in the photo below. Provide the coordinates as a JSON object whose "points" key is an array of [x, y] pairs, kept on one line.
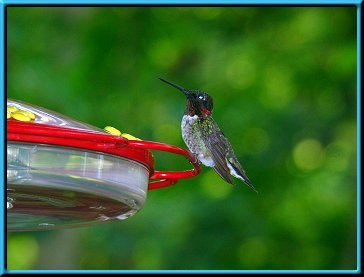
{"points": [[64, 173]]}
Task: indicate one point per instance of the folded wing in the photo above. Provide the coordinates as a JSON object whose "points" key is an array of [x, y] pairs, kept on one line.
{"points": [[217, 144]]}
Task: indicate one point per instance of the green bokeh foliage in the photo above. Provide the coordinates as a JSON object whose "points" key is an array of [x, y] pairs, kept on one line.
{"points": [[283, 81]]}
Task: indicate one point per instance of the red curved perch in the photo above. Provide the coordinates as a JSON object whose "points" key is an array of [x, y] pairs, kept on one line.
{"points": [[168, 177], [133, 149]]}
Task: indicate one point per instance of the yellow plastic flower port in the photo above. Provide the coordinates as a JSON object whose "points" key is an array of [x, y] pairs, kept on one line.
{"points": [[129, 137], [21, 115], [112, 131]]}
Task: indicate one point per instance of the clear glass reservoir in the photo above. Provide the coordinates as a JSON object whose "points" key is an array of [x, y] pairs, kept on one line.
{"points": [[51, 187]]}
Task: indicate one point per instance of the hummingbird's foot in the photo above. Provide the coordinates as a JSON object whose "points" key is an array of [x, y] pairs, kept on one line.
{"points": [[196, 161]]}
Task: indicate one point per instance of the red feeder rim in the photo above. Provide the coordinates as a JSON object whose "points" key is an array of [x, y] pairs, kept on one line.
{"points": [[137, 150]]}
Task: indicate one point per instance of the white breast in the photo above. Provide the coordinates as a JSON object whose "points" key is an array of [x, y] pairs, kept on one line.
{"points": [[186, 127], [188, 120], [192, 138]]}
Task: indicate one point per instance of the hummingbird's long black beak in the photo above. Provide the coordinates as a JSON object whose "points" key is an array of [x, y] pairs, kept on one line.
{"points": [[185, 91]]}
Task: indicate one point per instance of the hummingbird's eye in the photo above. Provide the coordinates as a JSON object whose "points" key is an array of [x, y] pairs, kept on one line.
{"points": [[200, 97]]}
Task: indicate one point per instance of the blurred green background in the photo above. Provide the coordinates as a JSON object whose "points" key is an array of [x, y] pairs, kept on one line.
{"points": [[283, 81]]}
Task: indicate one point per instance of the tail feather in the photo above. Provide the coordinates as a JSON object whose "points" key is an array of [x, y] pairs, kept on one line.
{"points": [[224, 174], [238, 172]]}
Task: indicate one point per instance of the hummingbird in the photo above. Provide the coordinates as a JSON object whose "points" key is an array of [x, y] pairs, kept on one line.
{"points": [[204, 138]]}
